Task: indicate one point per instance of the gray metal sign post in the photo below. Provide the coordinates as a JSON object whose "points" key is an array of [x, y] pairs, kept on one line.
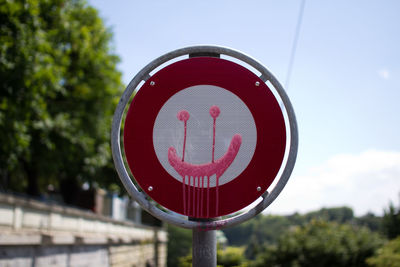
{"points": [[204, 248], [204, 236]]}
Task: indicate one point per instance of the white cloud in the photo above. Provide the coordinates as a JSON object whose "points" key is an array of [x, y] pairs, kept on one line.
{"points": [[384, 74], [365, 182]]}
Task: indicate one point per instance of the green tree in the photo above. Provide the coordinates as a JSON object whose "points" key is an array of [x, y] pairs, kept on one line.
{"points": [[253, 248], [228, 257], [262, 229], [179, 244], [373, 222], [337, 214], [240, 234], [59, 86], [387, 256], [231, 256], [266, 229], [391, 221], [321, 243]]}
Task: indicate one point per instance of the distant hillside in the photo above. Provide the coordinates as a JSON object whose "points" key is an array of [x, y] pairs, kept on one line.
{"points": [[266, 229]]}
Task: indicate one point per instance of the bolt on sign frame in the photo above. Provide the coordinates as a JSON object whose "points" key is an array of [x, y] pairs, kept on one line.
{"points": [[191, 214]]}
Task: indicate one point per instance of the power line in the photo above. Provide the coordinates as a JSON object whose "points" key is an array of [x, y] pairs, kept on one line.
{"points": [[295, 41]]}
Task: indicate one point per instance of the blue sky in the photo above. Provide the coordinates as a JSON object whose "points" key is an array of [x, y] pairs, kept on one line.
{"points": [[345, 85]]}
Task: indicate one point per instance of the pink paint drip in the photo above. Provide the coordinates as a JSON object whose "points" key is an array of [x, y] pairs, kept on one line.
{"points": [[183, 115], [184, 195], [188, 197], [208, 196], [194, 196], [199, 171], [202, 196], [198, 197], [214, 112]]}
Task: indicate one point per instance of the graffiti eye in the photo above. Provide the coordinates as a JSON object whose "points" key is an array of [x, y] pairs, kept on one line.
{"points": [[214, 112], [183, 115]]}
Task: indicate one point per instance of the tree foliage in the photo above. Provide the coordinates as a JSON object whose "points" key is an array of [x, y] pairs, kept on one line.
{"points": [[326, 237], [321, 243], [387, 256], [391, 221], [59, 86], [371, 221], [266, 229], [231, 256], [338, 214], [179, 244], [261, 229]]}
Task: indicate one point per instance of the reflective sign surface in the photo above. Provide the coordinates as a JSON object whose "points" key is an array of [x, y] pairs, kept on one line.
{"points": [[204, 137]]}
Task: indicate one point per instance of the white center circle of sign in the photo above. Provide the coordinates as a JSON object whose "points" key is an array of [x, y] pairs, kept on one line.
{"points": [[234, 118]]}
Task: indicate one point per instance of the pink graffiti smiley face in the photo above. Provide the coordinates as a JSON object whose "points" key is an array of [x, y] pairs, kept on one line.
{"points": [[186, 156], [200, 172]]}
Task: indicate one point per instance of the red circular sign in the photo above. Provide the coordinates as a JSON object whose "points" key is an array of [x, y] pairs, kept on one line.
{"points": [[204, 137]]}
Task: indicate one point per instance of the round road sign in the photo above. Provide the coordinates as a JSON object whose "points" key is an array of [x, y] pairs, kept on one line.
{"points": [[204, 137]]}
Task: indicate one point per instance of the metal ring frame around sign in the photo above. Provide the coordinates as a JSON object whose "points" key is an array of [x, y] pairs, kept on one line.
{"points": [[142, 198]]}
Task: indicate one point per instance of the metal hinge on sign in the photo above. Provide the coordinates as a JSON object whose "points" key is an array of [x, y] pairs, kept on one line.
{"points": [[204, 54]]}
